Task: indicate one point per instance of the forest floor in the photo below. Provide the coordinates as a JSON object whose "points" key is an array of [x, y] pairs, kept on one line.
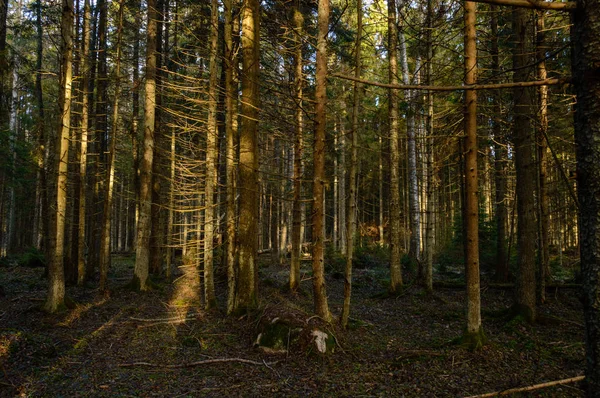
{"points": [[401, 346]]}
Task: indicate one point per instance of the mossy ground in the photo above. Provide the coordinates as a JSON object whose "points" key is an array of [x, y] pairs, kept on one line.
{"points": [[396, 346]]}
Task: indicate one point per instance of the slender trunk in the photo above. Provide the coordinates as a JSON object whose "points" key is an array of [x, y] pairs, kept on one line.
{"points": [[298, 143], [144, 227], [474, 331], [105, 241], [525, 167], [319, 291], [56, 276], [135, 102], [500, 160], [247, 275], [351, 226], [395, 239], [542, 149], [211, 161], [83, 146], [40, 228]]}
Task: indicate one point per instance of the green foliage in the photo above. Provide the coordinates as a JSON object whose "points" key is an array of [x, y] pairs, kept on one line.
{"points": [[32, 257], [451, 257]]}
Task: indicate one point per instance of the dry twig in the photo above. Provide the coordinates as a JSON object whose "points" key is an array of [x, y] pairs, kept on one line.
{"points": [[529, 388], [197, 363]]}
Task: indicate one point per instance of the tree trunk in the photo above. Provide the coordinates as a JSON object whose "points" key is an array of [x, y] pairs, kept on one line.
{"points": [[298, 143], [318, 212], [105, 240], [211, 162], [474, 331], [56, 276], [542, 158], [500, 160], [83, 145], [586, 58], [144, 227], [395, 266], [524, 164], [247, 273], [352, 200], [231, 91]]}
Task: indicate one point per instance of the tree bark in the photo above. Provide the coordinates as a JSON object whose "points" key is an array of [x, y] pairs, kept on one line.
{"points": [[352, 200], [144, 227], [542, 158], [525, 166], [500, 161], [318, 212], [56, 275], [298, 143], [586, 58], [210, 300], [395, 265], [474, 330], [231, 91], [247, 273], [105, 238]]}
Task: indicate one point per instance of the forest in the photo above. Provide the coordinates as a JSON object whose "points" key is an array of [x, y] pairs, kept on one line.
{"points": [[299, 198]]}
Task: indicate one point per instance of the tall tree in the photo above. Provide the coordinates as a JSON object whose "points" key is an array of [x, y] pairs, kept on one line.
{"points": [[542, 160], [500, 159], [105, 237], [523, 58], [351, 223], [247, 273], [474, 331], [211, 161], [586, 58], [56, 275], [395, 265], [318, 212], [231, 92], [298, 143], [83, 144], [144, 227]]}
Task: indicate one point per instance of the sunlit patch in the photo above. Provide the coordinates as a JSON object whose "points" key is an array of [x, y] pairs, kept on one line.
{"points": [[186, 298], [7, 342], [80, 310]]}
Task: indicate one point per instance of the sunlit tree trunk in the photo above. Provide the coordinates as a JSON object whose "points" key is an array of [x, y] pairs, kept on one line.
{"points": [[56, 276], [523, 57], [474, 330], [395, 266], [230, 134], [105, 238], [142, 259], [318, 212], [247, 273], [211, 161], [83, 145], [298, 143]]}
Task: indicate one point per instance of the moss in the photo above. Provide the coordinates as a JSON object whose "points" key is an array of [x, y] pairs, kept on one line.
{"points": [[472, 340], [275, 335]]}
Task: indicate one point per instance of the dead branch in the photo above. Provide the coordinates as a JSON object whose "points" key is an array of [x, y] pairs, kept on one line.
{"points": [[198, 363], [535, 4], [530, 388], [495, 86], [188, 317]]}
